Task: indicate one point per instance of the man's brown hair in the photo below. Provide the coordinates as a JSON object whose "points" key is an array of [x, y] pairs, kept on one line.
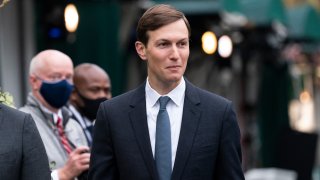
{"points": [[156, 17]]}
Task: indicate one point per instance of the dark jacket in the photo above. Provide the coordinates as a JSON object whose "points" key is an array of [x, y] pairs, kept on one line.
{"points": [[22, 153], [208, 147]]}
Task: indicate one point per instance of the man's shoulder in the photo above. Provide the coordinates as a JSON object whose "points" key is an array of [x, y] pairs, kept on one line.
{"points": [[26, 108], [33, 111], [205, 95], [129, 96], [124, 96], [213, 95], [12, 117], [11, 112]]}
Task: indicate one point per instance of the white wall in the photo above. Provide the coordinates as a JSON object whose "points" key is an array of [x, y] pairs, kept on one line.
{"points": [[16, 47]]}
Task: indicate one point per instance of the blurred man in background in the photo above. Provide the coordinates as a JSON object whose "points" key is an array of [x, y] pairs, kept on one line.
{"points": [[50, 78], [92, 86]]}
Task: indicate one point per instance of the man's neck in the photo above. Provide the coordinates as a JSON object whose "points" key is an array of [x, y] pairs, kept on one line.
{"points": [[163, 88]]}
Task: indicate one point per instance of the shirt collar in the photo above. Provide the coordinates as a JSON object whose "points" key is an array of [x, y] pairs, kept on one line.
{"points": [[56, 115], [77, 115], [176, 95]]}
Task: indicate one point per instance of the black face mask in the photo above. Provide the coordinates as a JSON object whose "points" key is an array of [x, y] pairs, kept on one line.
{"points": [[90, 107]]}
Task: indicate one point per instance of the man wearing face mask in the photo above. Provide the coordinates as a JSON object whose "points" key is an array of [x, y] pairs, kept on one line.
{"points": [[50, 78], [92, 86]]}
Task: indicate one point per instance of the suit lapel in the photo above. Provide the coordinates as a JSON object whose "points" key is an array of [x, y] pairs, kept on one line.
{"points": [[139, 123], [190, 121]]}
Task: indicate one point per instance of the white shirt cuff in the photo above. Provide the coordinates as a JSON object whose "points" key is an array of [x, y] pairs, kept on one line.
{"points": [[54, 175]]}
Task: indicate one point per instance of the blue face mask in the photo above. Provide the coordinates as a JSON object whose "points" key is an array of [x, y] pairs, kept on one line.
{"points": [[56, 94]]}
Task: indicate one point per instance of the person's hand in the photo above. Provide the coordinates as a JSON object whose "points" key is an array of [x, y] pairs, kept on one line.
{"points": [[77, 162]]}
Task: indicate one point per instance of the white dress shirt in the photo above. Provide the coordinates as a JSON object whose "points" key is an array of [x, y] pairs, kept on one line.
{"points": [[174, 109]]}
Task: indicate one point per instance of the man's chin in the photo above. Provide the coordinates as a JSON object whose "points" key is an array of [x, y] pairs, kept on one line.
{"points": [[174, 79]]}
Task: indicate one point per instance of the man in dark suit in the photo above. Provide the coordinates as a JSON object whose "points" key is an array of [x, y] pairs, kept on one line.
{"points": [[197, 129], [22, 153]]}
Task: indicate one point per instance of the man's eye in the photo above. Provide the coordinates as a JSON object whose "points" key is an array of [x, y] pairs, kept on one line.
{"points": [[55, 78], [94, 90], [182, 44], [69, 78], [107, 90], [163, 44]]}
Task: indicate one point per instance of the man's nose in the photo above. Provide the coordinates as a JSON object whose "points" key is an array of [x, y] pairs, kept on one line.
{"points": [[174, 53]]}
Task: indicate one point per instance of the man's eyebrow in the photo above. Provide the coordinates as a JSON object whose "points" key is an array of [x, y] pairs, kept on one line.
{"points": [[167, 40], [184, 39], [159, 40]]}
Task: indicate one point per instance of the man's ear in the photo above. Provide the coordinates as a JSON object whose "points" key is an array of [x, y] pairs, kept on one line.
{"points": [[141, 50], [34, 82]]}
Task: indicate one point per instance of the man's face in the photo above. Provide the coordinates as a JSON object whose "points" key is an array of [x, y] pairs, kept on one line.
{"points": [[51, 68], [167, 53], [95, 85], [54, 71]]}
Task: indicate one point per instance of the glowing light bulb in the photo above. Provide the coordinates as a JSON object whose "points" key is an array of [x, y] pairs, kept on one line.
{"points": [[225, 46], [71, 18], [209, 42]]}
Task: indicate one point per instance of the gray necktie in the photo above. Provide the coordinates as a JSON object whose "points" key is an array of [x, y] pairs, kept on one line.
{"points": [[163, 141]]}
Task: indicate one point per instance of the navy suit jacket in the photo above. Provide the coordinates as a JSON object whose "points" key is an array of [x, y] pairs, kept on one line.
{"points": [[208, 147], [22, 153]]}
